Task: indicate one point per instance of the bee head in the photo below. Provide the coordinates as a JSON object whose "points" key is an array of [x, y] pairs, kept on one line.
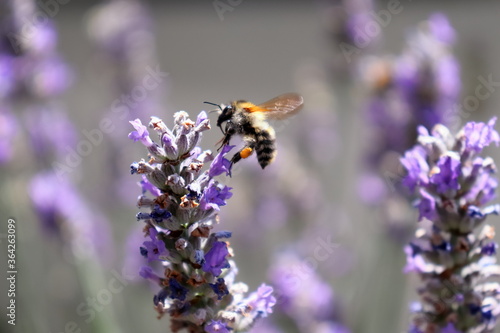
{"points": [[227, 114]]}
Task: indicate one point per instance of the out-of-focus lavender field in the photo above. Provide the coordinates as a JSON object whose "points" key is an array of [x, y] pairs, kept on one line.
{"points": [[325, 225]]}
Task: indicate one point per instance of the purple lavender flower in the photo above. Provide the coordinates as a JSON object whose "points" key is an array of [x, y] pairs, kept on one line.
{"points": [[36, 69], [31, 72], [489, 249], [414, 261], [427, 206], [220, 288], [446, 179], [155, 248], [215, 259], [347, 22], [216, 327], [127, 48], [214, 196], [417, 167], [220, 164], [480, 135], [177, 290], [148, 187], [453, 259], [198, 288], [450, 328], [140, 134], [266, 326], [52, 77], [441, 29], [51, 132], [262, 300]]}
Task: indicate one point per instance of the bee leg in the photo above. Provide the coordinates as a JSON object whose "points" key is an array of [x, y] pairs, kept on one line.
{"points": [[226, 139], [245, 152], [222, 142]]}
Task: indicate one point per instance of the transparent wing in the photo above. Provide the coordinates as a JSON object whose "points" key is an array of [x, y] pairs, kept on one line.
{"points": [[281, 107]]}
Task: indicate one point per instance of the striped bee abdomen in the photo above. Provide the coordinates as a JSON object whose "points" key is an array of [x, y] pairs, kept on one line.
{"points": [[265, 147]]}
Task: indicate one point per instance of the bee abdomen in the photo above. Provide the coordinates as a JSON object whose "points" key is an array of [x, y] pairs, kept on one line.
{"points": [[265, 148]]}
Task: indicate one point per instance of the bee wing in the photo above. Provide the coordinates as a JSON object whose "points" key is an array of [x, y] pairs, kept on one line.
{"points": [[280, 107]]}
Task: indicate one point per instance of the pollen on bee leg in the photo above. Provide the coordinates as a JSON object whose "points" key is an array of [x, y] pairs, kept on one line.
{"points": [[245, 152]]}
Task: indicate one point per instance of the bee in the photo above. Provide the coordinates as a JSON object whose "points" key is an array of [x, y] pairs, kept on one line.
{"points": [[250, 122]]}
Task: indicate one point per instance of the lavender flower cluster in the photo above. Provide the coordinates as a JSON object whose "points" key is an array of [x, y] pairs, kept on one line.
{"points": [[30, 69], [453, 251], [32, 76], [197, 279], [420, 86]]}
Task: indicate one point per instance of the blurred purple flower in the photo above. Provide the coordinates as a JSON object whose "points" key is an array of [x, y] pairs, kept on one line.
{"points": [[7, 75], [118, 37], [266, 326], [441, 29], [51, 132], [414, 261], [43, 39], [489, 249], [148, 187], [304, 297], [450, 328], [50, 77], [134, 262], [483, 189], [8, 129], [35, 67], [414, 161], [427, 206], [155, 248], [419, 86], [371, 188]]}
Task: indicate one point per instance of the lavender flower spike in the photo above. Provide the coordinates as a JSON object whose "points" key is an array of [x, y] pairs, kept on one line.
{"points": [[453, 250], [182, 201]]}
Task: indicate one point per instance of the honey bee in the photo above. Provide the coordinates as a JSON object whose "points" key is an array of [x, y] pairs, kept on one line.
{"points": [[250, 122]]}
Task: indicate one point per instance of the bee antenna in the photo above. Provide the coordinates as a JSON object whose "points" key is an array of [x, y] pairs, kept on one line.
{"points": [[215, 105]]}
